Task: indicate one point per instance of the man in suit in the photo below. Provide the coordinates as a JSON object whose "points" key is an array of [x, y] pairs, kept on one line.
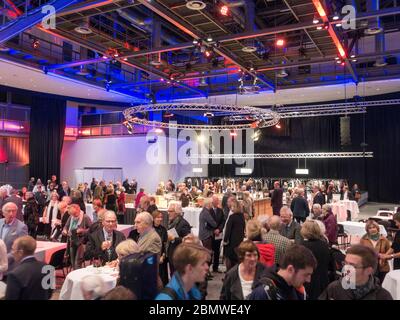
{"points": [[276, 198], [219, 217], [10, 227], [14, 198], [103, 241], [149, 240], [26, 281], [207, 225], [65, 190], [318, 196], [290, 228]]}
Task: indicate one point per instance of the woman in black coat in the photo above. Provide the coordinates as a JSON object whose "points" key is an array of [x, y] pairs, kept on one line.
{"points": [[314, 240], [162, 232], [233, 234]]}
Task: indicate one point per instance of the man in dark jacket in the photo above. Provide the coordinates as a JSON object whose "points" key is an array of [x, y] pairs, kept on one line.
{"points": [[207, 224], [276, 198], [318, 196], [296, 268], [359, 282], [26, 281], [102, 243], [219, 217], [290, 228], [299, 206]]}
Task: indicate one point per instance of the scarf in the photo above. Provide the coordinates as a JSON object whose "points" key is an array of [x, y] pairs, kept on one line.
{"points": [[174, 222], [53, 218], [374, 237], [361, 291]]}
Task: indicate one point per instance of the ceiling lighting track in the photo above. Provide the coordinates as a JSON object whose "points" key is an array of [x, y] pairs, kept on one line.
{"points": [[314, 155]]}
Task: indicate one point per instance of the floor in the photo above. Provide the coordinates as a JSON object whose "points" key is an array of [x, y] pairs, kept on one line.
{"points": [[215, 284]]}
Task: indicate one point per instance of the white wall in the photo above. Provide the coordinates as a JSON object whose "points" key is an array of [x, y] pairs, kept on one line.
{"points": [[129, 153]]}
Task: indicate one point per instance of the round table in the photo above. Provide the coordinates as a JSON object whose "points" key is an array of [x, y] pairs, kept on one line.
{"points": [[71, 289], [392, 283], [340, 208]]}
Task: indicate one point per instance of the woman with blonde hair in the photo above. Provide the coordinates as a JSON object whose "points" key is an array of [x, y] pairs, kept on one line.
{"points": [[50, 213], [315, 241], [266, 250], [379, 243]]}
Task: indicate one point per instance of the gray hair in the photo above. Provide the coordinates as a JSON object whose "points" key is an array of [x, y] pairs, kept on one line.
{"points": [[93, 284], [109, 212], [176, 205], [147, 218], [287, 210], [316, 206], [327, 207], [8, 204]]}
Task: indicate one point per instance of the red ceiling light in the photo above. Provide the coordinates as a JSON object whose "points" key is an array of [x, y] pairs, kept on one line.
{"points": [[280, 43], [207, 53], [320, 8], [224, 10], [278, 126], [35, 44], [233, 133]]}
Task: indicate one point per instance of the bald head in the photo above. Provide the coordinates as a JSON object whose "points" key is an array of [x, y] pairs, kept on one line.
{"points": [[274, 223], [23, 247]]}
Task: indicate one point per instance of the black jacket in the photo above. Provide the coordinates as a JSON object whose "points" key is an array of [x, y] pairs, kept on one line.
{"points": [[274, 287], [25, 281], [277, 198], [234, 234], [162, 232], [93, 247], [292, 232], [183, 228], [219, 218], [299, 207], [319, 198], [320, 276], [232, 288], [335, 291]]}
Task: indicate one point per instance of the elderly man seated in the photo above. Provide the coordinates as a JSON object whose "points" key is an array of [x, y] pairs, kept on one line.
{"points": [[102, 243], [289, 228], [149, 240]]}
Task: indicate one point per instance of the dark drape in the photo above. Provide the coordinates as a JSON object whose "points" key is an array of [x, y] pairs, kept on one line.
{"points": [[47, 125], [379, 175]]}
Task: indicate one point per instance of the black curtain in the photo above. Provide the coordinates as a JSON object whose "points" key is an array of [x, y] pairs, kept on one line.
{"points": [[47, 126], [379, 128]]}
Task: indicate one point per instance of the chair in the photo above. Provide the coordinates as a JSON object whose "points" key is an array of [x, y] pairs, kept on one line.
{"points": [[59, 261], [345, 239]]}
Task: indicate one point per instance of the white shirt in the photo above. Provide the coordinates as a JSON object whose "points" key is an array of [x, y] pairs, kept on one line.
{"points": [[246, 285]]}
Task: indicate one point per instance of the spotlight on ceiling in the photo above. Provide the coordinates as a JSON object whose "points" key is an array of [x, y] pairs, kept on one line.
{"points": [[278, 126], [224, 10], [156, 60], [36, 44], [195, 41], [83, 71], [282, 73], [83, 28], [249, 46], [373, 29], [335, 17], [203, 83], [256, 135], [208, 114], [315, 20], [380, 62], [159, 130], [195, 5], [280, 43], [209, 39], [233, 133]]}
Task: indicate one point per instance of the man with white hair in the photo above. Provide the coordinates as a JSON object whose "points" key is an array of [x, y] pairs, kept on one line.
{"points": [[290, 228], [316, 211], [10, 227], [207, 224], [93, 287], [102, 243], [149, 240]]}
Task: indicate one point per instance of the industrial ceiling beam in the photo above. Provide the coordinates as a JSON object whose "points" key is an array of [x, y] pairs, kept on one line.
{"points": [[23, 23], [75, 64], [335, 38], [188, 29]]}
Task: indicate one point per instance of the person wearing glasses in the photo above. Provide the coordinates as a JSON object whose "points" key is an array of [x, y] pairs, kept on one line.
{"points": [[103, 242], [359, 283]]}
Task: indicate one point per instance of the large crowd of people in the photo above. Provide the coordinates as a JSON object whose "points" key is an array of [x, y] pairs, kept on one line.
{"points": [[291, 255]]}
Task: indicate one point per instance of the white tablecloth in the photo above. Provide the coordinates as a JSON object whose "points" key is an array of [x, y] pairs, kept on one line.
{"points": [[125, 228], [191, 215], [45, 249], [358, 228], [340, 208], [383, 218], [392, 283], [71, 289]]}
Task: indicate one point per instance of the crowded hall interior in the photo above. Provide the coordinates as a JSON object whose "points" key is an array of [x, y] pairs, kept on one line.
{"points": [[199, 150]]}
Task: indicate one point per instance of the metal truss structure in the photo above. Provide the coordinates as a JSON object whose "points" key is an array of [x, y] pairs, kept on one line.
{"points": [[314, 155], [331, 109], [260, 118]]}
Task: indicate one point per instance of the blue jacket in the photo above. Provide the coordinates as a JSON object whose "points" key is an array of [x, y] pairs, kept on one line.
{"points": [[177, 285]]}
